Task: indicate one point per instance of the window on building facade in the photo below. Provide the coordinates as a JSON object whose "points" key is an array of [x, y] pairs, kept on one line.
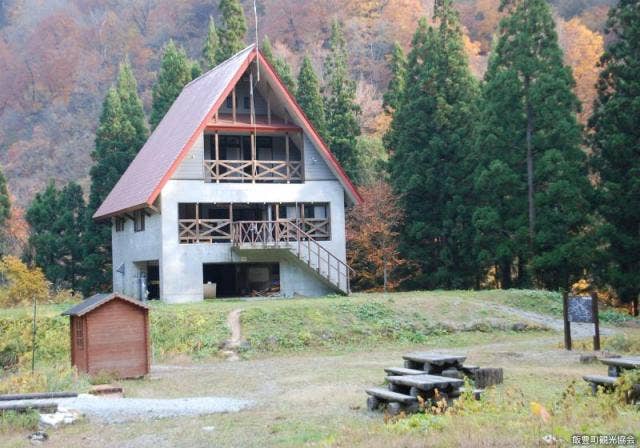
{"points": [[119, 224], [138, 221]]}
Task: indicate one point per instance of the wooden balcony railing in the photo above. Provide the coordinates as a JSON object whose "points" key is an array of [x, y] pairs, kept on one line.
{"points": [[318, 228], [253, 171], [204, 230], [221, 230]]}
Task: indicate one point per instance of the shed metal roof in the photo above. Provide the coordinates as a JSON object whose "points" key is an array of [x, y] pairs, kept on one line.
{"points": [[96, 300]]}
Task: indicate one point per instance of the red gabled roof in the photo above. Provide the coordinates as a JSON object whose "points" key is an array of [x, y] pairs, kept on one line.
{"points": [[187, 118]]}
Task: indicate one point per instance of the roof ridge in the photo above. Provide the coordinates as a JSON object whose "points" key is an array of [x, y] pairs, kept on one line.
{"points": [[220, 65]]}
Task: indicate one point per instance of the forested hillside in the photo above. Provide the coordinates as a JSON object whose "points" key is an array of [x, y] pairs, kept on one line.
{"points": [[494, 140], [58, 58]]}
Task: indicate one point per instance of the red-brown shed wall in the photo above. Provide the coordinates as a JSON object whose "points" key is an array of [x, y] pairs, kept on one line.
{"points": [[117, 339]]}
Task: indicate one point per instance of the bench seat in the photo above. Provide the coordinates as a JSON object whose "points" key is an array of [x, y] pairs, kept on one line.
{"points": [[390, 396], [602, 380], [403, 371]]}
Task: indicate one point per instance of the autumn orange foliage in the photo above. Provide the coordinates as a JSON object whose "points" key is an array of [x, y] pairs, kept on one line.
{"points": [[58, 58], [15, 234], [372, 238], [582, 50]]}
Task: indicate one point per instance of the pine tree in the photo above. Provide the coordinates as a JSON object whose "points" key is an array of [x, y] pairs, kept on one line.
{"points": [[5, 214], [500, 218], [431, 135], [5, 201], [175, 73], [210, 48], [392, 97], [131, 103], [282, 67], [113, 148], [121, 133], [529, 124], [615, 127], [340, 108], [112, 155], [57, 220], [231, 35], [309, 96], [267, 49]]}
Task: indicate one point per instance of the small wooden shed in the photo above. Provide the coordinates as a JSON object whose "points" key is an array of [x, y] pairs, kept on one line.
{"points": [[110, 333]]}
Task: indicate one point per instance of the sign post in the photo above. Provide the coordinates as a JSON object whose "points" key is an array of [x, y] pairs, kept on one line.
{"points": [[583, 309], [567, 322], [596, 322]]}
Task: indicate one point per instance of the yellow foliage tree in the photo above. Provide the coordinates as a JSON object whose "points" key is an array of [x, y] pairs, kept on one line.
{"points": [[19, 283], [582, 50]]}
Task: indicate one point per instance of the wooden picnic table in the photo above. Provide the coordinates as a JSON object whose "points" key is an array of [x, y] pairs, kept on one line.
{"points": [[433, 362], [618, 365]]}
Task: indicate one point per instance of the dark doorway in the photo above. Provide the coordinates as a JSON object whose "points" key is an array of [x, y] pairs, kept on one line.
{"points": [[243, 279], [224, 276], [153, 281]]}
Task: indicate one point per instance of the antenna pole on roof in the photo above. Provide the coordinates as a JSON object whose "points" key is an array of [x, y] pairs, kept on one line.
{"points": [[255, 16]]}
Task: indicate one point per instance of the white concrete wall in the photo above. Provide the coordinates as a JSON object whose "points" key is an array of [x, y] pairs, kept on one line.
{"points": [[296, 280], [181, 265], [130, 247]]}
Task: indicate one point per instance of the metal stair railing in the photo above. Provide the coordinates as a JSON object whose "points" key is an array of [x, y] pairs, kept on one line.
{"points": [[287, 234]]}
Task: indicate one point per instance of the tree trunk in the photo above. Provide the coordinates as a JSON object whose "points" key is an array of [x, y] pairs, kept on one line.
{"points": [[530, 191], [520, 279], [505, 274], [634, 307]]}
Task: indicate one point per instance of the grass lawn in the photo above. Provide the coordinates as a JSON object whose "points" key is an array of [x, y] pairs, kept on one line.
{"points": [[309, 361]]}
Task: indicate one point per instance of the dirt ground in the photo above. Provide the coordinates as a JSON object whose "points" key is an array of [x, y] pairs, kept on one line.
{"points": [[307, 399]]}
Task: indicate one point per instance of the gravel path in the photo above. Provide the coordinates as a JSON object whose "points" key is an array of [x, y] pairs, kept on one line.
{"points": [[119, 410], [578, 330]]}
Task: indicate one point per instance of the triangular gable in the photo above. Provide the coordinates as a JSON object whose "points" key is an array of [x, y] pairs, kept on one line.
{"points": [[303, 121], [174, 136]]}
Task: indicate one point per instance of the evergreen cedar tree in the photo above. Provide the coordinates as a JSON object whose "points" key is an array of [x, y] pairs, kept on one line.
{"points": [[57, 225], [175, 73], [210, 48], [340, 107], [232, 31], [398, 66], [279, 64], [615, 139], [431, 135], [309, 96], [531, 186], [119, 137], [5, 201]]}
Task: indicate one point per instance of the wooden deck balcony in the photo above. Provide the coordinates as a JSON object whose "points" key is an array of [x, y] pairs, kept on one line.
{"points": [[225, 230], [204, 230], [282, 171]]}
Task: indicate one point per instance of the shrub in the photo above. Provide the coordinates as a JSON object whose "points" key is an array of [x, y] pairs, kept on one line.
{"points": [[51, 379], [19, 284], [18, 421], [65, 296], [622, 343], [52, 340], [103, 377], [626, 386]]}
